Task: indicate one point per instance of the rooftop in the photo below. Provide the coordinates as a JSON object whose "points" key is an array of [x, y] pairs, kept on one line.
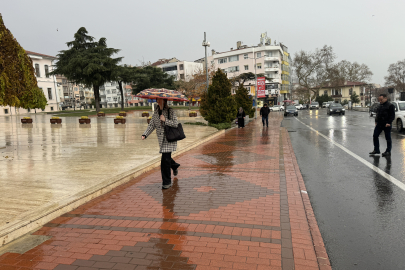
{"points": [[40, 54]]}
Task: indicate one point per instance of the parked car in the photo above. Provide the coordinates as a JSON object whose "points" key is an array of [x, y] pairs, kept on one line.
{"points": [[373, 109], [299, 106], [399, 114], [314, 105], [291, 110], [327, 104], [335, 108], [276, 108]]}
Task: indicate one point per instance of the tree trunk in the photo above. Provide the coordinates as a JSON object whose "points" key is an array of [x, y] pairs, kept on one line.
{"points": [[96, 89], [122, 95]]}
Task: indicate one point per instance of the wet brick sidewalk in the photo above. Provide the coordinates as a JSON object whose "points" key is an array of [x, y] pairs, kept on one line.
{"points": [[237, 203]]}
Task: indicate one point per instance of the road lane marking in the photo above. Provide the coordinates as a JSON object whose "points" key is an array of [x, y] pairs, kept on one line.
{"points": [[390, 178]]}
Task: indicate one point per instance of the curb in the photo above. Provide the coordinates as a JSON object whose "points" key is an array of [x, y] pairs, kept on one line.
{"points": [[35, 219], [319, 246]]}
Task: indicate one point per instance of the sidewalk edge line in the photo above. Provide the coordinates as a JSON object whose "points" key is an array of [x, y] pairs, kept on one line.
{"points": [[22, 227], [317, 240]]}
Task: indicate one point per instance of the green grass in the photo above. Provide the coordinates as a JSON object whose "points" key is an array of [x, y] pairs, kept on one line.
{"points": [[79, 113], [196, 123]]}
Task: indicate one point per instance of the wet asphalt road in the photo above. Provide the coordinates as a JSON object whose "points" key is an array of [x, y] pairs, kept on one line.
{"points": [[360, 213]]}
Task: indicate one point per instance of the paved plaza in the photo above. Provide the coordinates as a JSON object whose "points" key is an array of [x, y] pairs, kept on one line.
{"points": [[44, 167], [238, 202]]}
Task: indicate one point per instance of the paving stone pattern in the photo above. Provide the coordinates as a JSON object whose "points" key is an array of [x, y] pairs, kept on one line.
{"points": [[235, 204]]}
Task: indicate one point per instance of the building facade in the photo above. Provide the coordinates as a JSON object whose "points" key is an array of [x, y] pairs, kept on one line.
{"points": [[271, 60], [47, 83], [344, 91]]}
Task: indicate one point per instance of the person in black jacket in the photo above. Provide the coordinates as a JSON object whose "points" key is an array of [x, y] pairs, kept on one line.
{"points": [[241, 118], [264, 112], [383, 122]]}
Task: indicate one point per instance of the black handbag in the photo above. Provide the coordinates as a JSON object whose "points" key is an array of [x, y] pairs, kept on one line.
{"points": [[174, 134]]}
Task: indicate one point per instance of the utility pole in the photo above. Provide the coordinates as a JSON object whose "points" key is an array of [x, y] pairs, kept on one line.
{"points": [[206, 44]]}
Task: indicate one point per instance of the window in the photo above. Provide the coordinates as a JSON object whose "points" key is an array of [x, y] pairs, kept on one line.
{"points": [[5, 111], [37, 70], [222, 61], [64, 81], [233, 69], [245, 56], [269, 53], [109, 98], [108, 92], [259, 54], [325, 92], [46, 71], [43, 110], [246, 67], [169, 68], [350, 91], [76, 89], [234, 58], [28, 110], [51, 108], [259, 66], [181, 67], [182, 76], [113, 91], [49, 93]]}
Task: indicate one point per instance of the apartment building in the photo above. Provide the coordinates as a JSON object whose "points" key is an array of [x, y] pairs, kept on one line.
{"points": [[42, 64], [273, 60], [73, 95], [181, 70]]}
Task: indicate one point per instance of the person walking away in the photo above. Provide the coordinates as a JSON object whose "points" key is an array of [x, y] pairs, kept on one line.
{"points": [[241, 118], [383, 122], [164, 115], [264, 112]]}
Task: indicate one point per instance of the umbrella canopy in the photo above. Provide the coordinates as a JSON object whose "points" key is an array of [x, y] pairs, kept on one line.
{"points": [[162, 93]]}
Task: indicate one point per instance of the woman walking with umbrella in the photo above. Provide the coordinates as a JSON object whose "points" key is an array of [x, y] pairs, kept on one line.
{"points": [[241, 118], [163, 116]]}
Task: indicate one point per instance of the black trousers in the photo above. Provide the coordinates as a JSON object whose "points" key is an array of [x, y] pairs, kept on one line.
{"points": [[241, 122], [167, 163], [377, 131]]}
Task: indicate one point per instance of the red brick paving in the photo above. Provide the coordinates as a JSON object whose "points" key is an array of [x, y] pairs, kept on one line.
{"points": [[236, 204]]}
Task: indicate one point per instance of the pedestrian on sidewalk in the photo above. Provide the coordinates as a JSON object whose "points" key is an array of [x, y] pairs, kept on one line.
{"points": [[383, 122], [241, 118], [164, 115], [264, 112]]}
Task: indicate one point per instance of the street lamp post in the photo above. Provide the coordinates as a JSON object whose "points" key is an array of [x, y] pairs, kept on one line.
{"points": [[206, 44]]}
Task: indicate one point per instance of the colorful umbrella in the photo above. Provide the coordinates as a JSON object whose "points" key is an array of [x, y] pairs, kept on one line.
{"points": [[162, 93]]}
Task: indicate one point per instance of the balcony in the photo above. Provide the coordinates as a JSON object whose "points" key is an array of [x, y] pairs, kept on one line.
{"points": [[272, 58], [102, 96], [270, 69]]}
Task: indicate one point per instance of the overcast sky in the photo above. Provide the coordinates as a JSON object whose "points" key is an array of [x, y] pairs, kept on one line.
{"points": [[152, 29]]}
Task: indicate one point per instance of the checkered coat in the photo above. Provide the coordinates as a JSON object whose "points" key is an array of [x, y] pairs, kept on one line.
{"points": [[155, 123]]}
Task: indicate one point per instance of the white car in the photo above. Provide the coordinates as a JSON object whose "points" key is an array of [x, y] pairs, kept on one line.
{"points": [[399, 114], [276, 108], [314, 105], [299, 106]]}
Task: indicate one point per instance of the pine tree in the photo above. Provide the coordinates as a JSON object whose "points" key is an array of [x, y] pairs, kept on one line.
{"points": [[18, 84], [218, 105], [88, 62], [243, 100]]}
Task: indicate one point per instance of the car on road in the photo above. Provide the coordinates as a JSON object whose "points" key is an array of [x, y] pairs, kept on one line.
{"points": [[373, 109], [276, 108], [291, 110], [314, 105], [399, 114], [335, 108], [327, 104], [299, 106]]}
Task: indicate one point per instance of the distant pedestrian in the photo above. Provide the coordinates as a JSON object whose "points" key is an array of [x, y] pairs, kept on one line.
{"points": [[164, 115], [264, 112], [241, 118], [383, 122]]}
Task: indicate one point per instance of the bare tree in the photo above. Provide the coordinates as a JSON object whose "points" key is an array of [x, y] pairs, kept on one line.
{"points": [[396, 76], [313, 68], [353, 72]]}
